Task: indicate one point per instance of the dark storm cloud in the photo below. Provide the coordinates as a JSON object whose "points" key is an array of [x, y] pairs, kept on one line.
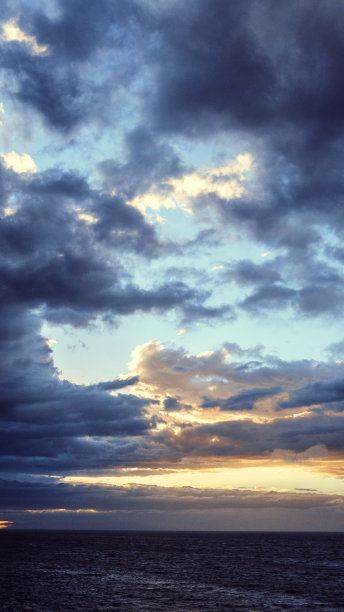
{"points": [[211, 69], [251, 65]]}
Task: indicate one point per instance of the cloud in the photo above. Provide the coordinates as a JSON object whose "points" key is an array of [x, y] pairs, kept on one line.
{"points": [[213, 71], [269, 296], [243, 77], [230, 378], [78, 31], [243, 401], [148, 161], [11, 32], [245, 272], [242, 81], [221, 78], [310, 286], [182, 331], [19, 163], [48, 423], [63, 264], [52, 426], [223, 181], [249, 440], [53, 83], [37, 496], [330, 394], [171, 404], [310, 300], [112, 385]]}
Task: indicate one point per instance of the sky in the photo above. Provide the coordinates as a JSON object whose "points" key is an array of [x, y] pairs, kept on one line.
{"points": [[171, 264]]}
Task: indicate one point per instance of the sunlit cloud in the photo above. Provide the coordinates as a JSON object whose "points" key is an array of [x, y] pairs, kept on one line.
{"points": [[182, 331], [165, 372], [87, 217], [19, 163], [280, 472], [223, 181], [6, 524], [65, 511], [50, 342], [8, 212], [12, 32]]}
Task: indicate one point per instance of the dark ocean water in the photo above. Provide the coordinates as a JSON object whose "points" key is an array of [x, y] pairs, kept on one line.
{"points": [[46, 571]]}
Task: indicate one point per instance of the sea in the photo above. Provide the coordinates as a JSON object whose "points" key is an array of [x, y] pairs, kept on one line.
{"points": [[48, 571]]}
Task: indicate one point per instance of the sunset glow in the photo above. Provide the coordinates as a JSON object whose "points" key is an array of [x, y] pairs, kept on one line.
{"points": [[5, 524]]}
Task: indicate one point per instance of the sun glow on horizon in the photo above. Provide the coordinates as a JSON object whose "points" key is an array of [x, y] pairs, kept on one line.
{"points": [[279, 477]]}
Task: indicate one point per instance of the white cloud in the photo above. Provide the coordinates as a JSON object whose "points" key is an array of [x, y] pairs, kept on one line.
{"points": [[11, 32], [88, 218], [50, 342], [224, 181], [181, 332], [19, 163]]}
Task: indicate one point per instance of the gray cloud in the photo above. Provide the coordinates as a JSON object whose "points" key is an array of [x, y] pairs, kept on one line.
{"points": [[39, 496], [330, 394], [247, 439], [242, 401]]}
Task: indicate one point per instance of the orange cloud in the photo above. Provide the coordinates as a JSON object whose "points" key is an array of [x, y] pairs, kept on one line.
{"points": [[5, 524]]}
